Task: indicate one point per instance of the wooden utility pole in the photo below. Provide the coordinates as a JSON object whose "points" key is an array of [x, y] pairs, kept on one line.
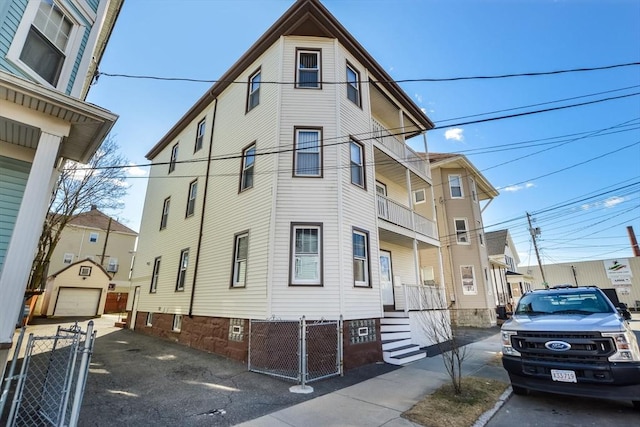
{"points": [[534, 234], [106, 239]]}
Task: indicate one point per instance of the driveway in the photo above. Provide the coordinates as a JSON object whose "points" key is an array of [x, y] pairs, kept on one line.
{"points": [[137, 380]]}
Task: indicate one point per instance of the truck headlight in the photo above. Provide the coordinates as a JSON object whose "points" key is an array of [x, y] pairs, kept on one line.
{"points": [[507, 348], [627, 349]]}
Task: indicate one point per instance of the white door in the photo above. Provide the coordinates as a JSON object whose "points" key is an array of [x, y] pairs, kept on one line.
{"points": [[134, 308], [386, 278], [77, 302]]}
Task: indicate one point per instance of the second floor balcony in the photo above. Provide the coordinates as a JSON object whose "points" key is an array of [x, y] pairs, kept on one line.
{"points": [[401, 216], [399, 149]]}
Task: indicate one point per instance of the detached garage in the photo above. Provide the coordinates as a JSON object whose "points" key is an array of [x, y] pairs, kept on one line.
{"points": [[77, 290]]}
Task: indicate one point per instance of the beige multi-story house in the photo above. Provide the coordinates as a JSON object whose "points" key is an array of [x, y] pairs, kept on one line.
{"points": [[508, 283], [290, 199], [49, 51], [459, 189]]}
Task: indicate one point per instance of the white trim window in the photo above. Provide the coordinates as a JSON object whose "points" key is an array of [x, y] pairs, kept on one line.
{"points": [[308, 69], [46, 43], [455, 186], [353, 85], [253, 97], [93, 237], [306, 254], [462, 231], [149, 320], [468, 277], [155, 275], [356, 154], [174, 158], [182, 269], [474, 191], [307, 159], [177, 323], [164, 219], [419, 196], [361, 267], [191, 198], [84, 271], [240, 256], [480, 234], [112, 266], [67, 258], [248, 165], [201, 129]]}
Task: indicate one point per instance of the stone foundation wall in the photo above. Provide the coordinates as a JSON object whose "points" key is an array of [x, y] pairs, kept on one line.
{"points": [[474, 317]]}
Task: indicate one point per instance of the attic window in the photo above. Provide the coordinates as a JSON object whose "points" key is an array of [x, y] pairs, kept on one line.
{"points": [[85, 271], [308, 69], [93, 237]]}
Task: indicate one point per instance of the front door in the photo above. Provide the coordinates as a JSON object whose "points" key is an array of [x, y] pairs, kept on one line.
{"points": [[386, 278]]}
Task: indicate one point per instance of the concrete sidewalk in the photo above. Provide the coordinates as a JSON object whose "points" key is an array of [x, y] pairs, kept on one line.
{"points": [[380, 401]]}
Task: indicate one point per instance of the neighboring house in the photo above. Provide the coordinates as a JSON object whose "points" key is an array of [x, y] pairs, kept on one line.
{"points": [[79, 289], [310, 203], [100, 238], [459, 189], [49, 50], [623, 274], [508, 284]]}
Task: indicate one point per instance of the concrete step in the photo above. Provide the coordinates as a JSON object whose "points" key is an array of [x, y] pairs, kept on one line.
{"points": [[388, 314], [395, 328], [395, 321], [391, 344], [405, 349], [404, 358], [386, 336]]}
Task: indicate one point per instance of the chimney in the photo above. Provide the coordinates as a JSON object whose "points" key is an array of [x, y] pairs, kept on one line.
{"points": [[94, 207], [634, 242]]}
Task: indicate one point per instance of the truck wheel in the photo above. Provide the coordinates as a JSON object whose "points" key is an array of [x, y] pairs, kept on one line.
{"points": [[520, 391]]}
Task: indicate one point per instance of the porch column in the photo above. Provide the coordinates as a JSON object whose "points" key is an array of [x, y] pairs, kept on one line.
{"points": [[24, 240]]}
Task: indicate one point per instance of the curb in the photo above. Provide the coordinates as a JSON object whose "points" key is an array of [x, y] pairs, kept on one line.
{"points": [[484, 418]]}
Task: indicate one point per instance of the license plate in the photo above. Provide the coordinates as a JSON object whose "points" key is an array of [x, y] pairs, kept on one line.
{"points": [[563, 376]]}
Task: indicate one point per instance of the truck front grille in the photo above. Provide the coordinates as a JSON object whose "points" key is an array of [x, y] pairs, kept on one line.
{"points": [[586, 348]]}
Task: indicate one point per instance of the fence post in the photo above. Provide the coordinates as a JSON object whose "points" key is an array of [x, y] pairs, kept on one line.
{"points": [[303, 388], [12, 368], [340, 346], [82, 375], [406, 297], [18, 392]]}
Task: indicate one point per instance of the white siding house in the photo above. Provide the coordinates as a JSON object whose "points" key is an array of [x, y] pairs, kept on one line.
{"points": [[301, 188]]}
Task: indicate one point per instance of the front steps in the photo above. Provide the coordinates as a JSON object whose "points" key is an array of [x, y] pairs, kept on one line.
{"points": [[397, 348]]}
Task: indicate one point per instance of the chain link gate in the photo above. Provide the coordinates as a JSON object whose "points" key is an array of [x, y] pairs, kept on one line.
{"points": [[52, 378], [296, 350]]}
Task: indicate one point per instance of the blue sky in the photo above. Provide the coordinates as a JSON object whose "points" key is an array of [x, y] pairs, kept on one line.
{"points": [[591, 157]]}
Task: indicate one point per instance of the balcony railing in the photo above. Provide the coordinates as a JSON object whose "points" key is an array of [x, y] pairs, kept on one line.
{"points": [[400, 149], [404, 217], [417, 297]]}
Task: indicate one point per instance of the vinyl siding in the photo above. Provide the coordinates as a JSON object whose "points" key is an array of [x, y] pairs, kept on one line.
{"points": [[13, 180], [10, 17], [76, 63]]}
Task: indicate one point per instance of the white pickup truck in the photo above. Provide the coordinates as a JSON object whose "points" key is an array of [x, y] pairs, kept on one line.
{"points": [[571, 340]]}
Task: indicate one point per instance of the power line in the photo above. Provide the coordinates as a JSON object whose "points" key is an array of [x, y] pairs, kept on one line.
{"points": [[442, 79]]}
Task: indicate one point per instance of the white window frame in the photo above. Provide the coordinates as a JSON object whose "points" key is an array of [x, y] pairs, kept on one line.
{"points": [[317, 150], [155, 275], [68, 258], [149, 320], [112, 266], [70, 53], [93, 237], [253, 91], [458, 178], [191, 199], [177, 323], [318, 69], [293, 279], [183, 265], [360, 259], [353, 87], [474, 190], [468, 289], [200, 131], [85, 271], [461, 233], [416, 200], [248, 167], [164, 219], [357, 165], [174, 157], [480, 233], [240, 263]]}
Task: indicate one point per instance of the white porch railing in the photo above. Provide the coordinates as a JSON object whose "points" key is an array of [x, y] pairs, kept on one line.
{"points": [[399, 148], [419, 297], [400, 215]]}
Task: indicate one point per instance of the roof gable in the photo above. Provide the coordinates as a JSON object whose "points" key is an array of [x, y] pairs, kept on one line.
{"points": [[96, 219], [82, 261]]}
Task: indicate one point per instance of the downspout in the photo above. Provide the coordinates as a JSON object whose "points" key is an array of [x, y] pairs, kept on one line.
{"points": [[204, 205]]}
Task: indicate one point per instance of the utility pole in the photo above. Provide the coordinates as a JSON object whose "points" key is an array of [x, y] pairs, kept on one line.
{"points": [[534, 233], [106, 239]]}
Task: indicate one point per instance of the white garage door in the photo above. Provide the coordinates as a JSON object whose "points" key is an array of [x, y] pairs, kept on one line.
{"points": [[77, 302]]}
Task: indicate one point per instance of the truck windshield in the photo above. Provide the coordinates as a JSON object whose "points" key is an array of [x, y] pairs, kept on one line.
{"points": [[566, 303]]}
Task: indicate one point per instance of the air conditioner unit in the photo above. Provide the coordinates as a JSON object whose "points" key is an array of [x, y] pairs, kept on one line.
{"points": [[112, 268]]}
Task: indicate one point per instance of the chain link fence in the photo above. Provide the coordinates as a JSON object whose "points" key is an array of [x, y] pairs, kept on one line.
{"points": [[296, 350], [52, 378]]}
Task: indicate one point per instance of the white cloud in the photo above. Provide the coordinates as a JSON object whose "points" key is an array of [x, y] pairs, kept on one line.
{"points": [[134, 170], [455, 134], [418, 97], [612, 201], [514, 188]]}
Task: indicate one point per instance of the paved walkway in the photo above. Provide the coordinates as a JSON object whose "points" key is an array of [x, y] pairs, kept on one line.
{"points": [[381, 400]]}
